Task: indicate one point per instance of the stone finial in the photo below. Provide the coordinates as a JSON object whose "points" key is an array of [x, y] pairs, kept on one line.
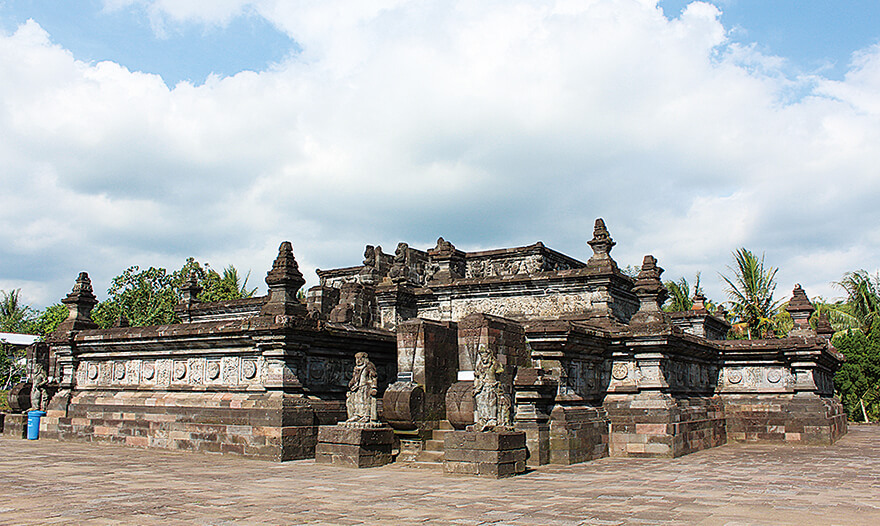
{"points": [[284, 281], [191, 289], [800, 309], [601, 242], [651, 294], [79, 302], [823, 326], [720, 312], [121, 321], [601, 245], [443, 248], [447, 262], [370, 256], [699, 302], [400, 271]]}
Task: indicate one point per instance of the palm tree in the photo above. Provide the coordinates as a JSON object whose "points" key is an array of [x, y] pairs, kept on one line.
{"points": [[751, 290], [863, 299], [14, 316], [679, 296], [230, 282]]}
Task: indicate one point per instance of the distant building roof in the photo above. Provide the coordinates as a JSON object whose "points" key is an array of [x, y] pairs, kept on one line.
{"points": [[18, 339]]}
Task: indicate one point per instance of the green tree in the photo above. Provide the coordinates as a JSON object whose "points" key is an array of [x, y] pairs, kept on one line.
{"points": [[751, 292], [15, 316], [679, 296], [225, 287], [858, 380], [144, 297], [862, 301], [47, 320], [148, 297]]}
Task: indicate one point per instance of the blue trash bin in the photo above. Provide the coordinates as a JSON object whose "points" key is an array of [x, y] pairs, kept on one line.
{"points": [[33, 429]]}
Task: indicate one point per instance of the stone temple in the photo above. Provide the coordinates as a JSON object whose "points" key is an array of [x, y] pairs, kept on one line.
{"points": [[588, 365]]}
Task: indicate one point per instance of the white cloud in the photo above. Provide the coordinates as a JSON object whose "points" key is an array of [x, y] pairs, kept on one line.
{"points": [[491, 124]]}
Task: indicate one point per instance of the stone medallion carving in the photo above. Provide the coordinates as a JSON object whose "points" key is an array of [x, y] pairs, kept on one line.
{"points": [[119, 371], [316, 370], [148, 371], [619, 371], [773, 376], [212, 370], [93, 371], [179, 370], [249, 369], [735, 377]]}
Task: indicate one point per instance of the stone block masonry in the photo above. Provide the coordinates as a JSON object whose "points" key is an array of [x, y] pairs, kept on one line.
{"points": [[269, 426], [493, 454], [354, 447]]}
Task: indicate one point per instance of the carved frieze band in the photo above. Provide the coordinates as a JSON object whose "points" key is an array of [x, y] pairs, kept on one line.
{"points": [[164, 372], [756, 378]]}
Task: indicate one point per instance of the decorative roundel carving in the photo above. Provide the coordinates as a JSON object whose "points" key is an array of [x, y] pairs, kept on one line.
{"points": [[148, 371], [93, 371], [774, 376], [179, 370], [316, 370], [619, 371], [119, 371], [735, 377], [249, 369], [212, 369]]}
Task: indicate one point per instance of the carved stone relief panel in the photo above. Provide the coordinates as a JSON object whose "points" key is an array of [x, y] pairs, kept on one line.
{"points": [[132, 372], [163, 372], [212, 370], [248, 370], [106, 372], [118, 369], [196, 368], [229, 366], [755, 378], [178, 371], [148, 372]]}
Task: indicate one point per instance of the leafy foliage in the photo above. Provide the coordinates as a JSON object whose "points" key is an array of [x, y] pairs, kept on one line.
{"points": [[49, 319], [863, 299], [679, 296], [751, 292], [858, 380], [144, 297], [148, 297], [14, 315], [227, 286]]}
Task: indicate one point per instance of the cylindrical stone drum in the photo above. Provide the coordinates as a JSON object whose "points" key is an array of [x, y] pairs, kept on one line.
{"points": [[460, 404]]}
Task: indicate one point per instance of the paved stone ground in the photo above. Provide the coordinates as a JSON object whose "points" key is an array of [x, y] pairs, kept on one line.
{"points": [[50, 482]]}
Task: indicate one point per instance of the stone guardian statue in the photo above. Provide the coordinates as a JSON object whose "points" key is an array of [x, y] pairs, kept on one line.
{"points": [[39, 394], [489, 395], [360, 402]]}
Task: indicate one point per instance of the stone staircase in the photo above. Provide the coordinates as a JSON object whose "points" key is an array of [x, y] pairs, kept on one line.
{"points": [[432, 455]]}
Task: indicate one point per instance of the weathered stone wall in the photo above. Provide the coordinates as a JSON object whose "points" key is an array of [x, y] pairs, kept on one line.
{"points": [[660, 425], [578, 434], [794, 419], [271, 426]]}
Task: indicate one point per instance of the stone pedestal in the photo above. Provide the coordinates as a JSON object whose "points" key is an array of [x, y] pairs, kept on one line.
{"points": [[492, 454], [354, 445], [15, 425]]}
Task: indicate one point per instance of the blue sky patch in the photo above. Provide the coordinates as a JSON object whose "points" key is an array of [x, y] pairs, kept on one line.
{"points": [[186, 52], [816, 36]]}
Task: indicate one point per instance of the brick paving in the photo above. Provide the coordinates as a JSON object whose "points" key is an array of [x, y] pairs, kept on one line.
{"points": [[50, 482]]}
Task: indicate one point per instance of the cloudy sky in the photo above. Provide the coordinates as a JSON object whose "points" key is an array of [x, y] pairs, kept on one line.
{"points": [[140, 132]]}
